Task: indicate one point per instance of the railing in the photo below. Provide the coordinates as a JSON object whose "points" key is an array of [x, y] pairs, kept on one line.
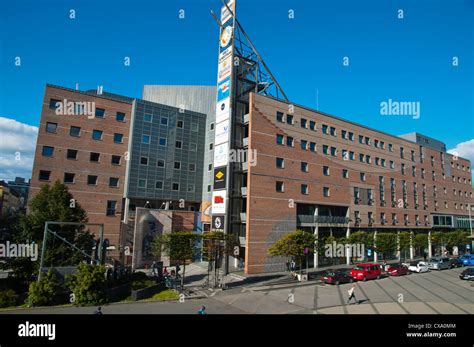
{"points": [[310, 219]]}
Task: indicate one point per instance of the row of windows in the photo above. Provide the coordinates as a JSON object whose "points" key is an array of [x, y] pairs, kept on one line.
{"points": [[383, 220], [161, 164], [72, 154], [148, 118], [175, 186], [79, 109], [70, 178], [76, 132], [304, 188]]}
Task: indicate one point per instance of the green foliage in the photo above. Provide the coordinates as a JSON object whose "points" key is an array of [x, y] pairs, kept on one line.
{"points": [[88, 284], [166, 295], [140, 280], [293, 245], [43, 293], [386, 242], [420, 241], [8, 298], [457, 238], [404, 242]]}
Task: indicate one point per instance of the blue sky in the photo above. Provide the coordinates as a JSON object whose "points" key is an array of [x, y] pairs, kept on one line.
{"points": [[407, 59]]}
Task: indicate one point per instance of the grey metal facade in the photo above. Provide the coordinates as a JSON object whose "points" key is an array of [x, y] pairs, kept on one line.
{"points": [[200, 99]]}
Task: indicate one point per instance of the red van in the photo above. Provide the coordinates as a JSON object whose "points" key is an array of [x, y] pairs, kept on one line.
{"points": [[364, 272]]}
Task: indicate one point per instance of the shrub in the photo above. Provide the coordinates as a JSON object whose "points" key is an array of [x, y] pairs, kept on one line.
{"points": [[8, 298], [88, 285], [43, 293], [140, 280], [166, 295]]}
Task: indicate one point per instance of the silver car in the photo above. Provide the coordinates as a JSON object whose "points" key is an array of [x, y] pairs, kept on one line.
{"points": [[439, 263]]}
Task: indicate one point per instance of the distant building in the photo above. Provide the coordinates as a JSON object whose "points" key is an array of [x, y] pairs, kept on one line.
{"points": [[10, 200], [22, 187]]}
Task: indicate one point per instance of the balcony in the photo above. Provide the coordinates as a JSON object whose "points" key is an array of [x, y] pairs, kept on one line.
{"points": [[311, 220], [243, 190]]}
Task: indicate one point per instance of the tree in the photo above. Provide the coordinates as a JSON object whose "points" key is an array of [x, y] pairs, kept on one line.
{"points": [[43, 293], [420, 241], [88, 285], [52, 203], [178, 246], [385, 243], [404, 242], [456, 238], [293, 245]]}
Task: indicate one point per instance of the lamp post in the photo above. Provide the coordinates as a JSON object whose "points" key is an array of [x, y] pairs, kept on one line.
{"points": [[306, 251]]}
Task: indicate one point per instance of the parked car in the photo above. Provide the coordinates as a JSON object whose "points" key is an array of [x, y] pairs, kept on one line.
{"points": [[439, 263], [456, 262], [336, 277], [467, 274], [419, 267], [364, 272], [397, 270], [467, 259]]}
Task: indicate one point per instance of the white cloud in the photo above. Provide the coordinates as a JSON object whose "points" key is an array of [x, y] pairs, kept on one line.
{"points": [[464, 150], [17, 148]]}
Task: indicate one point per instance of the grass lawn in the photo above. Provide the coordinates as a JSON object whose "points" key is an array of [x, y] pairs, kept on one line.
{"points": [[165, 295]]}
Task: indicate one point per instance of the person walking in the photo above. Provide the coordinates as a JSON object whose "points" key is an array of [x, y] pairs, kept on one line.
{"points": [[202, 310], [98, 311], [351, 293], [424, 256]]}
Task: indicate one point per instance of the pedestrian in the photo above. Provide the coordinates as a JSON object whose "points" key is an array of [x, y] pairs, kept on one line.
{"points": [[351, 293], [424, 256], [98, 311], [202, 310], [153, 268], [165, 272], [177, 270], [293, 265], [288, 266]]}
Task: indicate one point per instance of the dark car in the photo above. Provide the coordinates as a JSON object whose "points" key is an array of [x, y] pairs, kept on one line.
{"points": [[456, 262], [336, 277], [467, 274], [397, 270]]}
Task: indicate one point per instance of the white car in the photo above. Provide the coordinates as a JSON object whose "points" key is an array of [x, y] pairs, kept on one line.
{"points": [[420, 267]]}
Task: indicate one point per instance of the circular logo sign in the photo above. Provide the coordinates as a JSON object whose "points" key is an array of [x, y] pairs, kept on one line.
{"points": [[226, 36], [218, 223]]}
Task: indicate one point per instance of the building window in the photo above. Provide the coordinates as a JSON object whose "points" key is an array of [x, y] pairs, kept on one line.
{"points": [[325, 129], [160, 163], [192, 167], [304, 123], [94, 157], [180, 125], [390, 147], [111, 206], [304, 144], [54, 104], [351, 136], [208, 188], [279, 117], [325, 149], [368, 160], [92, 180], [99, 112], [351, 155], [326, 192], [159, 185], [377, 161], [211, 126], [209, 167], [51, 127], [178, 144], [97, 135], [304, 189], [175, 186], [191, 188], [280, 187], [147, 118], [162, 141], [118, 138], [146, 139], [326, 170], [144, 161], [289, 119], [312, 146], [344, 134], [382, 162], [279, 139], [116, 159], [211, 146], [280, 163], [345, 173], [75, 131], [362, 176], [177, 165], [68, 177], [290, 141], [376, 143], [113, 182], [120, 117], [382, 144], [392, 164], [312, 125], [304, 166], [361, 139], [142, 183], [44, 175], [332, 130], [403, 169], [361, 157], [333, 151], [367, 141], [71, 154], [164, 121], [47, 151]]}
